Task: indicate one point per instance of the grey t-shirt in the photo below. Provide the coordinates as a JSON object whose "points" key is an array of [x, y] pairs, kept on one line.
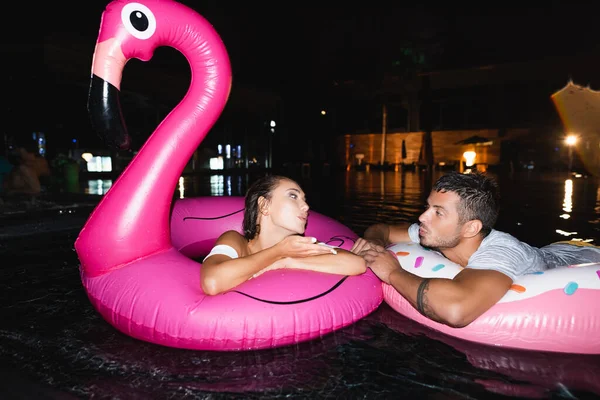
{"points": [[502, 252]]}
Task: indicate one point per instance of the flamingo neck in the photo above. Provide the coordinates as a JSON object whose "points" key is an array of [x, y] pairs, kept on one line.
{"points": [[132, 220]]}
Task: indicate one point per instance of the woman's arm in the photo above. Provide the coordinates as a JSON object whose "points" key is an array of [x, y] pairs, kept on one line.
{"points": [[220, 273], [342, 263]]}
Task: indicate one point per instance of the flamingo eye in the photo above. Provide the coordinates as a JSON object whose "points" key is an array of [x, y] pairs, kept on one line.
{"points": [[138, 20]]}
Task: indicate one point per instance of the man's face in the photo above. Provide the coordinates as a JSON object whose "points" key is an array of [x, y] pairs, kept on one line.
{"points": [[440, 228]]}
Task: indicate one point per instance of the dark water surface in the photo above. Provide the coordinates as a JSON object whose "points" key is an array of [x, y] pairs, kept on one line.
{"points": [[54, 345]]}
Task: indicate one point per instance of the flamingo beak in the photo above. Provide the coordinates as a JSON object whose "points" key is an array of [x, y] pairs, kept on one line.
{"points": [[104, 109]]}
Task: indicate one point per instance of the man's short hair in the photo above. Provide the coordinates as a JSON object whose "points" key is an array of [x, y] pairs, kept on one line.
{"points": [[479, 197]]}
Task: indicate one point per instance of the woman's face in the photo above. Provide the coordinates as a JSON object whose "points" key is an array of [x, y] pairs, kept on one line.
{"points": [[288, 208]]}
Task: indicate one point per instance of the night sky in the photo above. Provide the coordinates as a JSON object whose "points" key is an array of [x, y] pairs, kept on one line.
{"points": [[295, 43], [321, 44], [301, 49]]}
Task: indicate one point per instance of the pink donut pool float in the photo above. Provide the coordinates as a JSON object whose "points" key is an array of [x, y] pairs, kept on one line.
{"points": [[557, 310], [137, 252]]}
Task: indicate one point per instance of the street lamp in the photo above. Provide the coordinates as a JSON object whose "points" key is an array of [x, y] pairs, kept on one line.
{"points": [[469, 157], [570, 141], [272, 124]]}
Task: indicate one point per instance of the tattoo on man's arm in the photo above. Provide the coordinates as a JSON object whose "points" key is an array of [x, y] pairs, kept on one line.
{"points": [[420, 294], [422, 305]]}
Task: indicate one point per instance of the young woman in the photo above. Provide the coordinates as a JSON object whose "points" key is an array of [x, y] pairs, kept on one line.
{"points": [[275, 219]]}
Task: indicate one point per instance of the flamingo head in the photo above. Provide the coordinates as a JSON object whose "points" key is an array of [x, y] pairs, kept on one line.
{"points": [[134, 29]]}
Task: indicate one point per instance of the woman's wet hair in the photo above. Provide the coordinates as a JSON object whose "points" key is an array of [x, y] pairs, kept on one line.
{"points": [[262, 187], [479, 197]]}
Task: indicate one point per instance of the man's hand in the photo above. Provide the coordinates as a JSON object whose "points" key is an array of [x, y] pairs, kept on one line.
{"points": [[362, 245], [381, 262]]}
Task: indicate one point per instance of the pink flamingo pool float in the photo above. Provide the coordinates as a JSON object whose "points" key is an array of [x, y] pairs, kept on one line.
{"points": [[137, 255]]}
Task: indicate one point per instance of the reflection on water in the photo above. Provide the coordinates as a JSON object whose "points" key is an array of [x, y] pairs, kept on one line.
{"points": [[567, 206], [181, 188], [538, 209], [568, 209], [597, 208], [568, 203], [380, 196], [224, 185], [50, 334], [217, 185], [533, 207], [98, 186]]}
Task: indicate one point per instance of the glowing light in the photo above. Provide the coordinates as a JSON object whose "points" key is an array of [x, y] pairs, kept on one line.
{"points": [[565, 216], [99, 164], [272, 124], [323, 112], [216, 163], [470, 158], [87, 156], [571, 139]]}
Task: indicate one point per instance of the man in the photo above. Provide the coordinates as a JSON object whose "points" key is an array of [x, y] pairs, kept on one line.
{"points": [[458, 222]]}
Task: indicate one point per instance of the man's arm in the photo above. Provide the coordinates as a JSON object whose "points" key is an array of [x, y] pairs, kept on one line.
{"points": [[381, 235], [386, 234], [455, 302]]}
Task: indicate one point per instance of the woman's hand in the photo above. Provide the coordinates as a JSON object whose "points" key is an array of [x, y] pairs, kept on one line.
{"points": [[298, 246]]}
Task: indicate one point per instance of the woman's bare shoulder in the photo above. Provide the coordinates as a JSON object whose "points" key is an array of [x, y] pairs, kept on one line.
{"points": [[232, 238]]}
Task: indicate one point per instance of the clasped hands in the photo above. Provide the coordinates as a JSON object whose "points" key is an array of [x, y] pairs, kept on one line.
{"points": [[381, 261]]}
